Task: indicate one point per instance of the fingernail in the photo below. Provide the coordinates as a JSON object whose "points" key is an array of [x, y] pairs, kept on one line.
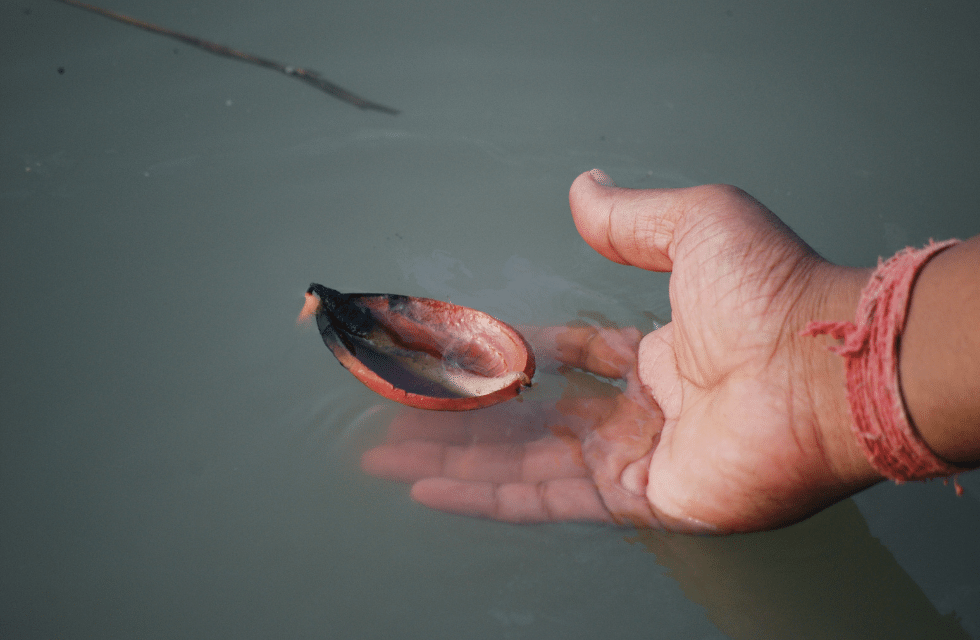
{"points": [[602, 178]]}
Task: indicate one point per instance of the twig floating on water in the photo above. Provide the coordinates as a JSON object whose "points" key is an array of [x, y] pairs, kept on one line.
{"points": [[306, 75]]}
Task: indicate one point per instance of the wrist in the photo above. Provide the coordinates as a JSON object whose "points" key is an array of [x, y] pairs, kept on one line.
{"points": [[835, 292], [870, 349]]}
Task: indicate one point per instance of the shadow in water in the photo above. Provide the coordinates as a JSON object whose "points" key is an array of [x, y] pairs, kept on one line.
{"points": [[826, 577]]}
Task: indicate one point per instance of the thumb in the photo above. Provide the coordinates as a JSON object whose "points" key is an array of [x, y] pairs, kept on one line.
{"points": [[628, 226], [643, 227]]}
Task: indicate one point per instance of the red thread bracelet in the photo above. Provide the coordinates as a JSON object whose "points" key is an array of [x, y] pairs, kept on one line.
{"points": [[870, 350]]}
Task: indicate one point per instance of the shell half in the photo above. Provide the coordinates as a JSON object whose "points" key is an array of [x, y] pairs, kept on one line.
{"points": [[420, 352]]}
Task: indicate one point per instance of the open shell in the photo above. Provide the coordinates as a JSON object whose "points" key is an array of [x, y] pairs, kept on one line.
{"points": [[420, 352]]}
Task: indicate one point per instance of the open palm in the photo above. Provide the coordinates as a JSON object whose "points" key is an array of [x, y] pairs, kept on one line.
{"points": [[729, 421]]}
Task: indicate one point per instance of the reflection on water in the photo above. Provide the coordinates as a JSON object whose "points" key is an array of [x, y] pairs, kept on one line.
{"points": [[826, 577]]}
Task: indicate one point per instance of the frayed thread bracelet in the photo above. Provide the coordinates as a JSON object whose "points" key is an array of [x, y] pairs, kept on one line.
{"points": [[870, 347]]}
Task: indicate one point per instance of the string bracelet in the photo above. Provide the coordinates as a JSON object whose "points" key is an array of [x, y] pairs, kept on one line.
{"points": [[870, 347]]}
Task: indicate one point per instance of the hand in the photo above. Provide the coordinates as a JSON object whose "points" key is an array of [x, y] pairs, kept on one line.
{"points": [[581, 458], [730, 420]]}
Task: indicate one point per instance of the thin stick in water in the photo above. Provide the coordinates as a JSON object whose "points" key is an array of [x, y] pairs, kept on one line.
{"points": [[306, 75]]}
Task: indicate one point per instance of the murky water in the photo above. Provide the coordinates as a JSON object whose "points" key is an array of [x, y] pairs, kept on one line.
{"points": [[178, 458]]}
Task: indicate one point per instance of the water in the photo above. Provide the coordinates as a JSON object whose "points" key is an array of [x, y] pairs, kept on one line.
{"points": [[180, 459]]}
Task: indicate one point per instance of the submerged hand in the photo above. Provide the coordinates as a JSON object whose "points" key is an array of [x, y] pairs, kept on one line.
{"points": [[730, 421], [582, 458]]}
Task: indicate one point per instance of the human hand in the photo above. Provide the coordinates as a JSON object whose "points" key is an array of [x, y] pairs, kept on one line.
{"points": [[583, 457], [730, 420]]}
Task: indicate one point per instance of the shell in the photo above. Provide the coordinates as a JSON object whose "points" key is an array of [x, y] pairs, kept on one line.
{"points": [[420, 352]]}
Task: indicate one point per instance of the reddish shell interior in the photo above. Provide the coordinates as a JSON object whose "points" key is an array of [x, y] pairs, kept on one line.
{"points": [[430, 325]]}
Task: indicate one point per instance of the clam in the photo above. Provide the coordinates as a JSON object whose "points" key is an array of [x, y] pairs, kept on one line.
{"points": [[420, 352]]}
